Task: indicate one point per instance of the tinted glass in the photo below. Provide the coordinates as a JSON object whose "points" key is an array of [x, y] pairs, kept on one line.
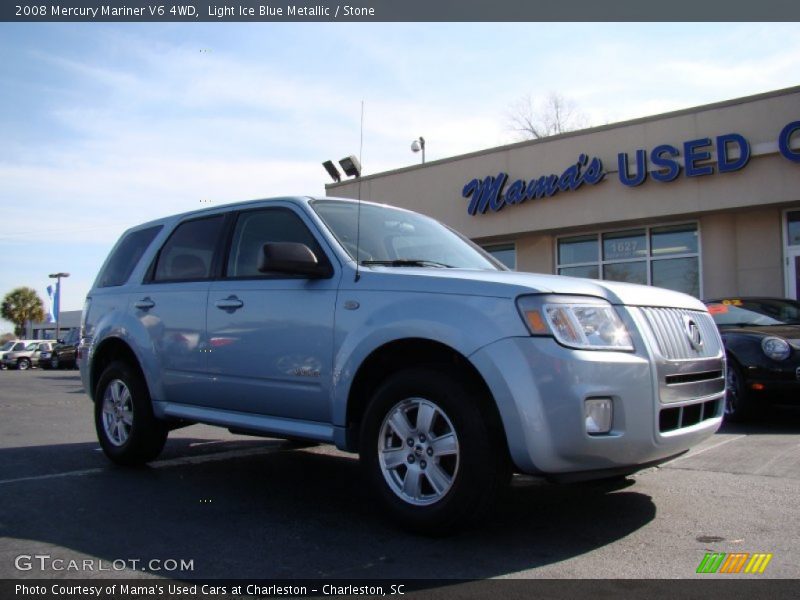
{"points": [[505, 253], [19, 346], [189, 251], [621, 245], [589, 271], [737, 311], [6, 346], [390, 234], [793, 228], [578, 249], [679, 274], [125, 257], [674, 239], [630, 272], [254, 229]]}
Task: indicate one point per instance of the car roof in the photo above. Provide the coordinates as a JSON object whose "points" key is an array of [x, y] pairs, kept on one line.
{"points": [[244, 204]]}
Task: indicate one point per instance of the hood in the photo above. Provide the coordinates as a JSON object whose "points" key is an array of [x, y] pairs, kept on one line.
{"points": [[510, 284]]}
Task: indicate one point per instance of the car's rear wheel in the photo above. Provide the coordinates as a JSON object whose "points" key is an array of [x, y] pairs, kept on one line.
{"points": [[431, 452], [23, 364], [127, 430]]}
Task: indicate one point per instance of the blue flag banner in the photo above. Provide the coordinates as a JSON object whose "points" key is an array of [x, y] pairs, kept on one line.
{"points": [[51, 316]]}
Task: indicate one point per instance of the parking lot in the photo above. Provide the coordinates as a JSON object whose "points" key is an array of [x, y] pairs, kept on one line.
{"points": [[217, 505]]}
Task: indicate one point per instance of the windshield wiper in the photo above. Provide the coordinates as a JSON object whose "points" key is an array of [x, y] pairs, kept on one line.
{"points": [[407, 262]]}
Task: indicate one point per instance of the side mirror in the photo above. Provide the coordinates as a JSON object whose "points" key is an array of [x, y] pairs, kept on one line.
{"points": [[293, 259]]}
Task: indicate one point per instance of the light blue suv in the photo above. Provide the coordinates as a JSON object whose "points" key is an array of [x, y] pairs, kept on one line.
{"points": [[388, 334]]}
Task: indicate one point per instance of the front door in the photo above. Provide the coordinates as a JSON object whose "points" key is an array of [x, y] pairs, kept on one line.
{"points": [[270, 335]]}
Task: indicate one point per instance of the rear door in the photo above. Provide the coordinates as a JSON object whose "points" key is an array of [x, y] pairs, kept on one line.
{"points": [[270, 335], [171, 305]]}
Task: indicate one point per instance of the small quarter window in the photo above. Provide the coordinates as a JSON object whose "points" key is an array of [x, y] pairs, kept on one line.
{"points": [[126, 256]]}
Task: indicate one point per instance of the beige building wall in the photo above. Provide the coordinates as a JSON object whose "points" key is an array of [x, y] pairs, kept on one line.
{"points": [[739, 213]]}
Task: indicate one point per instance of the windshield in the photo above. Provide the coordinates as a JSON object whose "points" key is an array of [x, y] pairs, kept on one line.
{"points": [[399, 238], [7, 346], [32, 346], [740, 311]]}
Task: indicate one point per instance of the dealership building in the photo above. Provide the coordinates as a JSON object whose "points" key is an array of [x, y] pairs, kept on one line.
{"points": [[704, 200]]}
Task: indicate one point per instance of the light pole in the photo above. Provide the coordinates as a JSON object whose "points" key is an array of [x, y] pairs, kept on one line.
{"points": [[57, 301], [418, 145]]}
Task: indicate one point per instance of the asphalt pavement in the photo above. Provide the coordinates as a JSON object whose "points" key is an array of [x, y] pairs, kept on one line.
{"points": [[217, 505]]}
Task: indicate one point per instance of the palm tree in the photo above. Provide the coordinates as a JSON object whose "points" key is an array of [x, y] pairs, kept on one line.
{"points": [[21, 305]]}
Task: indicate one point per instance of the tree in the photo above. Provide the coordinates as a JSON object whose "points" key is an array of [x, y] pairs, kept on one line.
{"points": [[555, 114], [21, 305]]}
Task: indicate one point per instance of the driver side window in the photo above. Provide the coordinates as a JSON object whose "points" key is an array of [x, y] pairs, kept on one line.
{"points": [[258, 227]]}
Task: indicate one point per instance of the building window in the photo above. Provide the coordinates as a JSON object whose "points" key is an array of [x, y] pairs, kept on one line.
{"points": [[665, 256], [793, 228], [505, 253]]}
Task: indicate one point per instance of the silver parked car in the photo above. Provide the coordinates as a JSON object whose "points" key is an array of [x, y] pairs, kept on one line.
{"points": [[27, 357], [386, 333]]}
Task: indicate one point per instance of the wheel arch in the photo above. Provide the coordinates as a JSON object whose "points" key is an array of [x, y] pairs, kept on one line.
{"points": [[407, 353], [110, 350]]}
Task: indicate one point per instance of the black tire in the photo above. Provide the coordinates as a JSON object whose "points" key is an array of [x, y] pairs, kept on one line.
{"points": [[23, 364], [478, 471], [142, 439], [738, 403], [54, 364]]}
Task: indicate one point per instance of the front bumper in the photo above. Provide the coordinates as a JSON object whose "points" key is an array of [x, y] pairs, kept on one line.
{"points": [[540, 388], [774, 385]]}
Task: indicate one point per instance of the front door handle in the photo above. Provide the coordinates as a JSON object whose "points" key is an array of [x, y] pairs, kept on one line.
{"points": [[144, 304], [231, 303]]}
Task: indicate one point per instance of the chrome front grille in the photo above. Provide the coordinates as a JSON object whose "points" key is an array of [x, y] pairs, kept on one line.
{"points": [[671, 329], [689, 361]]}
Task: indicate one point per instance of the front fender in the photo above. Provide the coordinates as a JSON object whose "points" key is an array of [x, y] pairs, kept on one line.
{"points": [[463, 323]]}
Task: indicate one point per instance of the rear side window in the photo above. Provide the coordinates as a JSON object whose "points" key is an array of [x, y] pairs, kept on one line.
{"points": [[126, 256], [256, 228], [189, 251]]}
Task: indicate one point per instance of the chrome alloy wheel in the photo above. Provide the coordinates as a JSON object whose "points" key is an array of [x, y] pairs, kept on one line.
{"points": [[117, 412], [732, 391], [418, 451]]}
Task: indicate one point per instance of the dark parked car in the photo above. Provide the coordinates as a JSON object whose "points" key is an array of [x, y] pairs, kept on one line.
{"points": [[63, 354], [762, 341]]}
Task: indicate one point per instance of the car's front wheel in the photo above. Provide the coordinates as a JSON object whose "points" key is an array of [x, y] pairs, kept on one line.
{"points": [[738, 404], [23, 364], [127, 430], [431, 451], [54, 362]]}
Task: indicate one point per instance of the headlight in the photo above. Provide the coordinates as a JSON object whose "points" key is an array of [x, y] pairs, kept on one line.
{"points": [[775, 348], [584, 323]]}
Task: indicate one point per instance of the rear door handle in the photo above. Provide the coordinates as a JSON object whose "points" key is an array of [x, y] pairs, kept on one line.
{"points": [[144, 304], [230, 304]]}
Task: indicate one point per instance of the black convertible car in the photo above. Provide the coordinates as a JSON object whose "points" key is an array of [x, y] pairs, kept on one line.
{"points": [[762, 340]]}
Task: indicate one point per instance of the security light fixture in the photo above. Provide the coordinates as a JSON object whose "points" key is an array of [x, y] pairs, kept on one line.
{"points": [[418, 145], [332, 170], [351, 166]]}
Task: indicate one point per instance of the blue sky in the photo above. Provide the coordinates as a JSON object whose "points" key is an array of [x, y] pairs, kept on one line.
{"points": [[103, 126]]}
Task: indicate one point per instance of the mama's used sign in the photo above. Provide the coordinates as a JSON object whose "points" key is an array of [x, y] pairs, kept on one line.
{"points": [[732, 150]]}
